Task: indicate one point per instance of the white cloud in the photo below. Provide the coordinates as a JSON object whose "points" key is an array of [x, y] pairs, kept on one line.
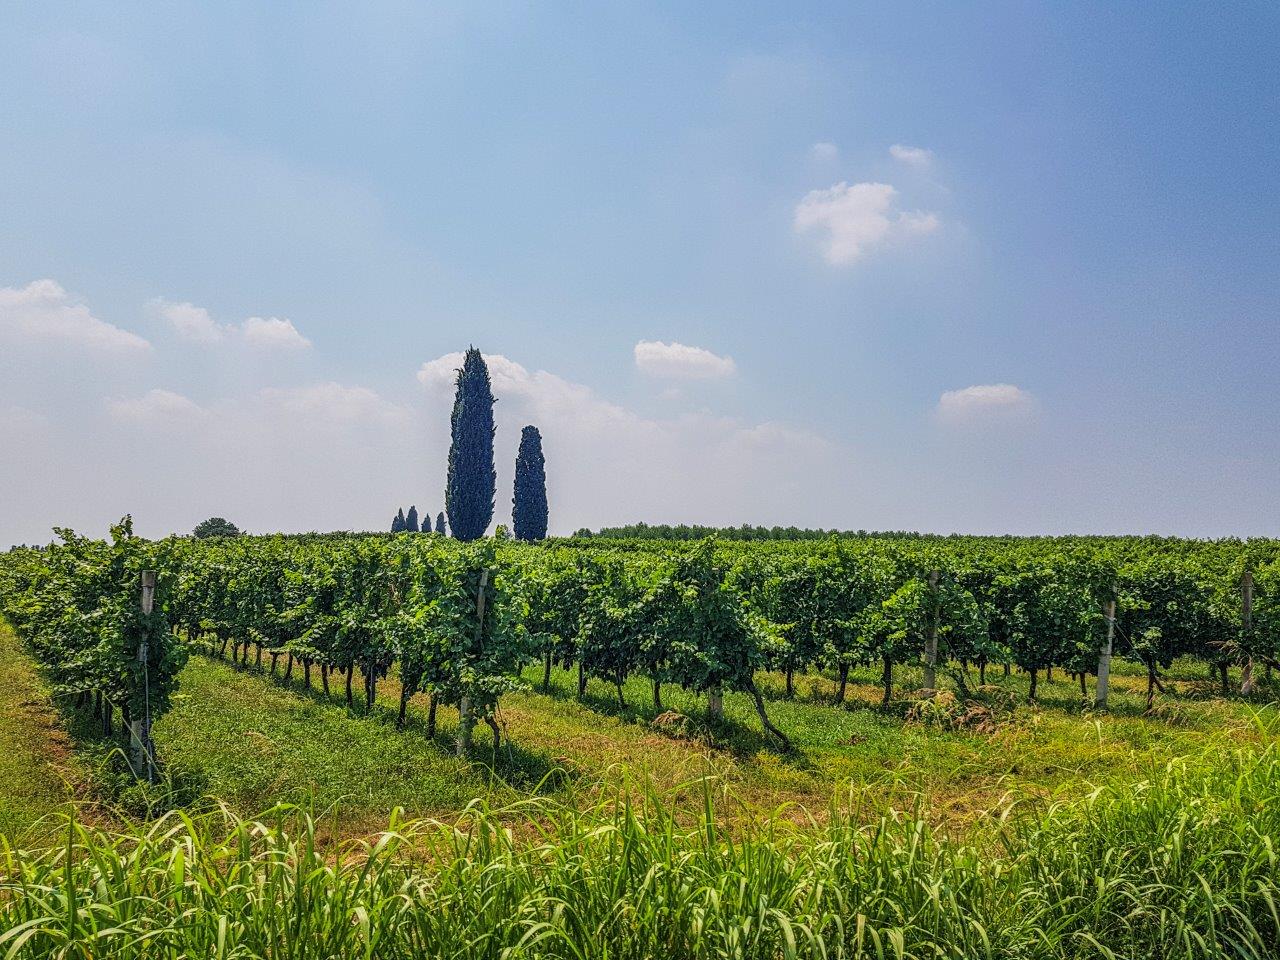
{"points": [[539, 392], [272, 332], [609, 464], [44, 311], [854, 219], [984, 401], [316, 456], [330, 403], [824, 152], [313, 407], [680, 362], [190, 321], [917, 157], [196, 324], [155, 408]]}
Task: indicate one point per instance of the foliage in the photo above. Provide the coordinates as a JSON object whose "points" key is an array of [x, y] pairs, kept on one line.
{"points": [[705, 617], [215, 527], [470, 488], [467, 627], [78, 607], [529, 502]]}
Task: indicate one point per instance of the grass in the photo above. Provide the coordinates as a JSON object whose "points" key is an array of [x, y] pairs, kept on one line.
{"points": [[1042, 831], [1183, 865], [37, 768], [244, 737]]}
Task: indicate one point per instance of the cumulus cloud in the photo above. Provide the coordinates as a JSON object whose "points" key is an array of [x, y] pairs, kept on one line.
{"points": [[153, 408], [324, 405], [336, 455], [334, 403], [606, 462], [917, 157], [543, 394], [44, 311], [273, 332], [854, 219], [314, 456], [190, 321], [824, 152], [680, 362], [196, 324], [983, 402]]}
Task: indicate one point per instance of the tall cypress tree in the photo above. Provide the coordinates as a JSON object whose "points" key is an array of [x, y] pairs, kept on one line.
{"points": [[468, 497], [411, 520], [529, 505], [397, 522], [440, 523]]}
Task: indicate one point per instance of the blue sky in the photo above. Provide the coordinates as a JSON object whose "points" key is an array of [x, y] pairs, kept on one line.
{"points": [[978, 268]]}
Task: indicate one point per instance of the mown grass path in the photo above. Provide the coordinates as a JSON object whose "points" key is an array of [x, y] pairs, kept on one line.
{"points": [[243, 736], [37, 766]]}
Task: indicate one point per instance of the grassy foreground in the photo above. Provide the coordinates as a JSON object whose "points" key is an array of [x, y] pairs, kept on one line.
{"points": [[599, 833], [1183, 865]]}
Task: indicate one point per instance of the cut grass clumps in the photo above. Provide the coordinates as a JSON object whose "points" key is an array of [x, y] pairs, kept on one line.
{"points": [[1183, 864], [946, 711]]}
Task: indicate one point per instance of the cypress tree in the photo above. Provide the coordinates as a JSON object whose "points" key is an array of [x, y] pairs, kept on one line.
{"points": [[397, 522], [469, 492], [411, 520], [440, 528], [529, 505]]}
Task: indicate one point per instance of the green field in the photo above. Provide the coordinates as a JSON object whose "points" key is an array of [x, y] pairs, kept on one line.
{"points": [[245, 737], [625, 852], [1002, 816]]}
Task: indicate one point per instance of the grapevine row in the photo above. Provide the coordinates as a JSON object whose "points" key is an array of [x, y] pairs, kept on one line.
{"points": [[462, 621]]}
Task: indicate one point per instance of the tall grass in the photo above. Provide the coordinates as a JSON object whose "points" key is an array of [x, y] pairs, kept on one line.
{"points": [[1184, 865]]}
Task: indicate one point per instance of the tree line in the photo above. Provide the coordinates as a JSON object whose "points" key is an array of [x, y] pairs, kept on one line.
{"points": [[695, 531]]}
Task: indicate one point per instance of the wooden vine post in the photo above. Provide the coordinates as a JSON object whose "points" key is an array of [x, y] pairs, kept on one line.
{"points": [[931, 640], [1104, 658], [141, 747], [715, 702], [1248, 684], [466, 719]]}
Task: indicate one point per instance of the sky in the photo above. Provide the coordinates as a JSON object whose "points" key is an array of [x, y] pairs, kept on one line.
{"points": [[977, 268]]}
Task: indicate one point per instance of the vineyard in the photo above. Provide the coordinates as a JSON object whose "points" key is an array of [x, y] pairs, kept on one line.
{"points": [[113, 623], [841, 651]]}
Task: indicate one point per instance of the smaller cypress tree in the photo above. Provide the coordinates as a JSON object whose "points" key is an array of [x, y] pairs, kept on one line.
{"points": [[411, 520], [529, 505], [397, 524], [440, 527]]}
